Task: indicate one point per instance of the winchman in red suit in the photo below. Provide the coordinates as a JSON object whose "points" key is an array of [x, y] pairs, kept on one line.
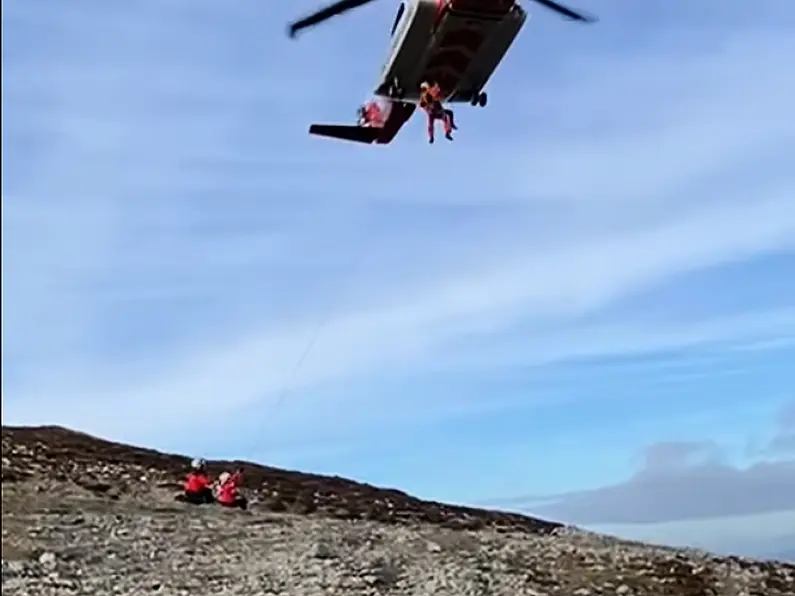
{"points": [[431, 102]]}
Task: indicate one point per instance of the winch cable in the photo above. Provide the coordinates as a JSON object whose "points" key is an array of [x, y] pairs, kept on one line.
{"points": [[325, 318]]}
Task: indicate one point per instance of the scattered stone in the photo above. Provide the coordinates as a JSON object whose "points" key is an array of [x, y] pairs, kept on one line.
{"points": [[321, 550], [47, 560], [353, 539]]}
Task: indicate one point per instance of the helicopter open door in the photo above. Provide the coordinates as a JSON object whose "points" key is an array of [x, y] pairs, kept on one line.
{"points": [[397, 114]]}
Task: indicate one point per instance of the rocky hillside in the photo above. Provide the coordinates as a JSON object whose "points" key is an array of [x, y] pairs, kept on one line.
{"points": [[106, 467], [86, 516]]}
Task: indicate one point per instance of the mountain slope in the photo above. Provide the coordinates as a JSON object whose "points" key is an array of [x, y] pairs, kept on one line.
{"points": [[93, 462], [91, 517]]}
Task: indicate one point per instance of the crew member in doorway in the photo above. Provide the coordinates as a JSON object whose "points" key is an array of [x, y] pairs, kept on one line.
{"points": [[371, 114]]}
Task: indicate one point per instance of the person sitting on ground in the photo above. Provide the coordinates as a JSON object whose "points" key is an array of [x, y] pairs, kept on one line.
{"points": [[228, 491], [198, 486]]}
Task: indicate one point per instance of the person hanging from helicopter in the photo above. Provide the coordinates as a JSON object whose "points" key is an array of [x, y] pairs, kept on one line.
{"points": [[431, 102]]}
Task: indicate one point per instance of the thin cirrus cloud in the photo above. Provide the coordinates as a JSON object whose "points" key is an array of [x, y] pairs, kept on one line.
{"points": [[490, 289], [174, 242]]}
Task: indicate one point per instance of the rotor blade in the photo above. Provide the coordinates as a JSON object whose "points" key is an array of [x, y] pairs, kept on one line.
{"points": [[325, 13], [567, 12]]}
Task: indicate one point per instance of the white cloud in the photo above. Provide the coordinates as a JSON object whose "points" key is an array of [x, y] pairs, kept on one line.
{"points": [[148, 200], [649, 126], [425, 322]]}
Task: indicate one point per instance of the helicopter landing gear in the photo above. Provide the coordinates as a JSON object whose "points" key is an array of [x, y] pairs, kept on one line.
{"points": [[479, 99]]}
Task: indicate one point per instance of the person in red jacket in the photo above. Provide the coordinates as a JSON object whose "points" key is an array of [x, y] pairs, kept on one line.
{"points": [[431, 102], [198, 488], [371, 115], [228, 492]]}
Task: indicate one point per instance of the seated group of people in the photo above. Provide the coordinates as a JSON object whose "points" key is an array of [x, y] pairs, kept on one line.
{"points": [[200, 489]]}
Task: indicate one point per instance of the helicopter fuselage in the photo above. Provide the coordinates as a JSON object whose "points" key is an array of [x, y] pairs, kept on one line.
{"points": [[455, 43]]}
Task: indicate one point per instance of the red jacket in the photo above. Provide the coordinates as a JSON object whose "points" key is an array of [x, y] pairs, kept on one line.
{"points": [[374, 114], [430, 98], [197, 482], [228, 492]]}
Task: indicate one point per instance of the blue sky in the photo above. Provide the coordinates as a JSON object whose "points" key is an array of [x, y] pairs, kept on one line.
{"points": [[589, 296]]}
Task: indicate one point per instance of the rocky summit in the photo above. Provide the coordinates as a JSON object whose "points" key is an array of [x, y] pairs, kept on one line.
{"points": [[91, 517]]}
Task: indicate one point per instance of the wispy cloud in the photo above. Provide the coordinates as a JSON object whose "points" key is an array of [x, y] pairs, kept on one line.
{"points": [[173, 241]]}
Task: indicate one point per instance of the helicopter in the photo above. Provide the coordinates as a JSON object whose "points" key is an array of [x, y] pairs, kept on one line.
{"points": [[456, 44]]}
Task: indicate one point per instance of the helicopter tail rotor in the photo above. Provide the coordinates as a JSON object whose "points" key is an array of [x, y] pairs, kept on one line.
{"points": [[324, 14], [570, 14]]}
